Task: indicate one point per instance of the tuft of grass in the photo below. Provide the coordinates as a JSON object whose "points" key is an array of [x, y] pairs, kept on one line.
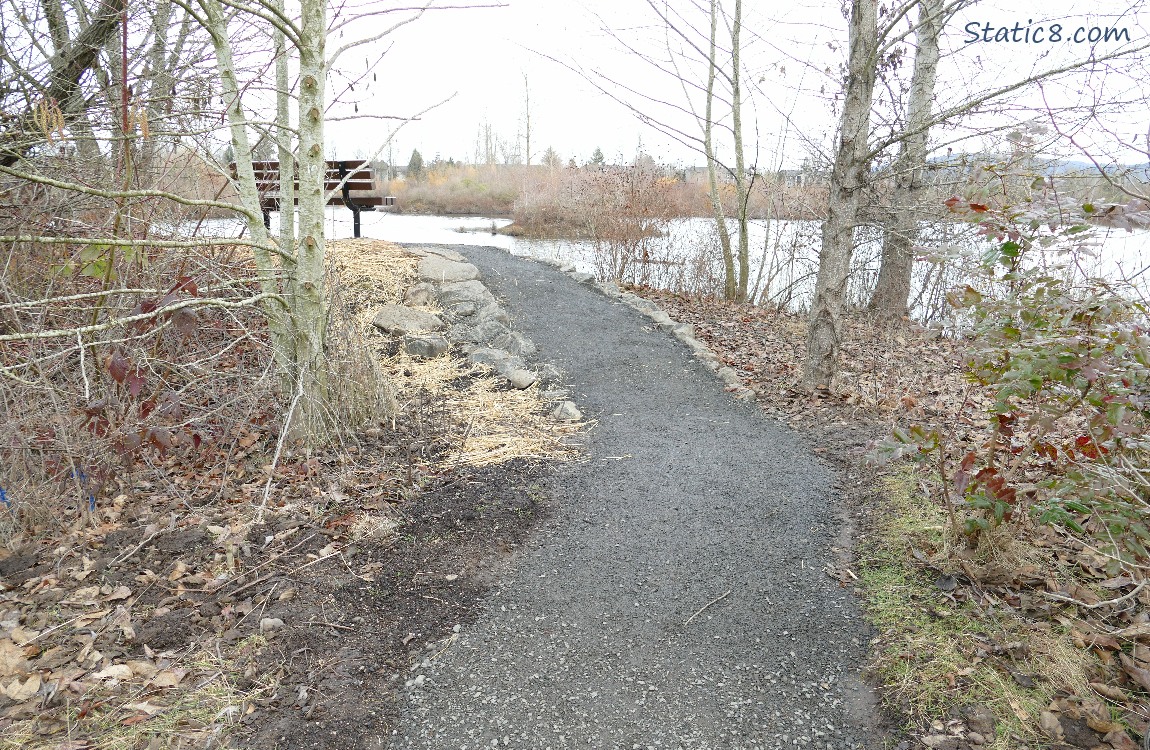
{"points": [[927, 655]]}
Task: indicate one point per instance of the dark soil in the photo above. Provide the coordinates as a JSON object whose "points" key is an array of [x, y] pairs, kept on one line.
{"points": [[340, 660]]}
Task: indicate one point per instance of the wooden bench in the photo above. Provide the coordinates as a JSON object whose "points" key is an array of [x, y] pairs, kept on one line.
{"points": [[359, 179]]}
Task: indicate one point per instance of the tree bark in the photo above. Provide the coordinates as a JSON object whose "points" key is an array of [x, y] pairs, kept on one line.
{"points": [[848, 180], [309, 305], [217, 28], [67, 67], [730, 287], [740, 163], [892, 290]]}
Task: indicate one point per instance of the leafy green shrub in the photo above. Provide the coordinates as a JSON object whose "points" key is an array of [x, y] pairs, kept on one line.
{"points": [[1065, 361]]}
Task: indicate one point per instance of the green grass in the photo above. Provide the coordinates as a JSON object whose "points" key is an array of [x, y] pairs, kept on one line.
{"points": [[925, 656]]}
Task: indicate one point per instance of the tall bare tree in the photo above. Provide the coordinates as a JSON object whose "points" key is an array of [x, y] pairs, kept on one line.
{"points": [[849, 179]]}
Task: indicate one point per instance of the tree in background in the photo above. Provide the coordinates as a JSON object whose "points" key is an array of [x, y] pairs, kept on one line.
{"points": [[415, 168], [551, 159], [597, 158]]}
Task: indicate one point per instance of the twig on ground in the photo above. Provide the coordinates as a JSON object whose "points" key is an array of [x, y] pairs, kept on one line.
{"points": [[329, 625], [724, 595], [1141, 585]]}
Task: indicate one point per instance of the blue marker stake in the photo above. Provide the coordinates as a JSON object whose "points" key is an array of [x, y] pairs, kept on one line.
{"points": [[4, 499]]}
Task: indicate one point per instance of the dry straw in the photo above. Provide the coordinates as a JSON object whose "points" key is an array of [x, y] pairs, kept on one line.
{"points": [[500, 424]]}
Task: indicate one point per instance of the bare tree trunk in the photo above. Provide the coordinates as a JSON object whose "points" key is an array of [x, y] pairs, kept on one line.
{"points": [[309, 305], [527, 116], [730, 288], [284, 143], [217, 28], [740, 164], [892, 290], [848, 180]]}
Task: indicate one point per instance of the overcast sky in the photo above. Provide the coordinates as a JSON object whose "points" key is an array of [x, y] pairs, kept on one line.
{"points": [[794, 51]]}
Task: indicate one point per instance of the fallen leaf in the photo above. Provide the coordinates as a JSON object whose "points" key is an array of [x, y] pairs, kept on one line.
{"points": [[22, 691], [168, 678], [114, 672], [12, 661], [1048, 723], [1139, 675], [120, 592]]}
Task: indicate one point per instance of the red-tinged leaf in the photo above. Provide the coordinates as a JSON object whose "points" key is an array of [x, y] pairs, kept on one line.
{"points": [[196, 440], [979, 208], [185, 321], [159, 437], [130, 443], [962, 476], [951, 202], [186, 284], [118, 365], [136, 382]]}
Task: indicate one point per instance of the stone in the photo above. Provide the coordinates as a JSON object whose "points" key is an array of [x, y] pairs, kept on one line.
{"points": [[522, 378], [496, 313], [438, 270], [515, 343], [566, 412], [420, 295], [427, 347], [684, 331], [399, 320], [454, 294], [270, 625], [497, 359], [550, 374], [583, 278], [610, 288], [424, 251]]}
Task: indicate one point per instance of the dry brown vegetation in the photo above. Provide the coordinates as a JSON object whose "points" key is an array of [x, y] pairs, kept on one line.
{"points": [[553, 201], [163, 545]]}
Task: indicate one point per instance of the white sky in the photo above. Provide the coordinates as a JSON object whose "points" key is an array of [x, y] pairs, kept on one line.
{"points": [[794, 49]]}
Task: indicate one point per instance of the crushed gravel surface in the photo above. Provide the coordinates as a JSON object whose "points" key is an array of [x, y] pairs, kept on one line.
{"points": [[686, 498]]}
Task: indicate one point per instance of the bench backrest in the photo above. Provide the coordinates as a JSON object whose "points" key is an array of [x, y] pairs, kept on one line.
{"points": [[362, 178]]}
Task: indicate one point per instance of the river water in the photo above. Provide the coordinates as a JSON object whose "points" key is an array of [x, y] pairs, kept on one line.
{"points": [[784, 254]]}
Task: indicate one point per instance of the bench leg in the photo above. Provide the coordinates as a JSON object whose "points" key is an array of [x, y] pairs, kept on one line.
{"points": [[355, 221], [268, 220]]}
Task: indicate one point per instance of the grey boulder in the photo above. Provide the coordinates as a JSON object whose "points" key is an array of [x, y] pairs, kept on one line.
{"points": [[399, 320], [427, 347], [440, 270], [515, 343]]}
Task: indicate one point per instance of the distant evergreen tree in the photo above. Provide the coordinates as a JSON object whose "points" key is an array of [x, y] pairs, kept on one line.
{"points": [[552, 159], [597, 158], [415, 166]]}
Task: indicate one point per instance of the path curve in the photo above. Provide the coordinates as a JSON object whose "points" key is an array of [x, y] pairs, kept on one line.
{"points": [[685, 494]]}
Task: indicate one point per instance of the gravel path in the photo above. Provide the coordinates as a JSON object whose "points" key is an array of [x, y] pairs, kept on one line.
{"points": [[686, 495]]}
